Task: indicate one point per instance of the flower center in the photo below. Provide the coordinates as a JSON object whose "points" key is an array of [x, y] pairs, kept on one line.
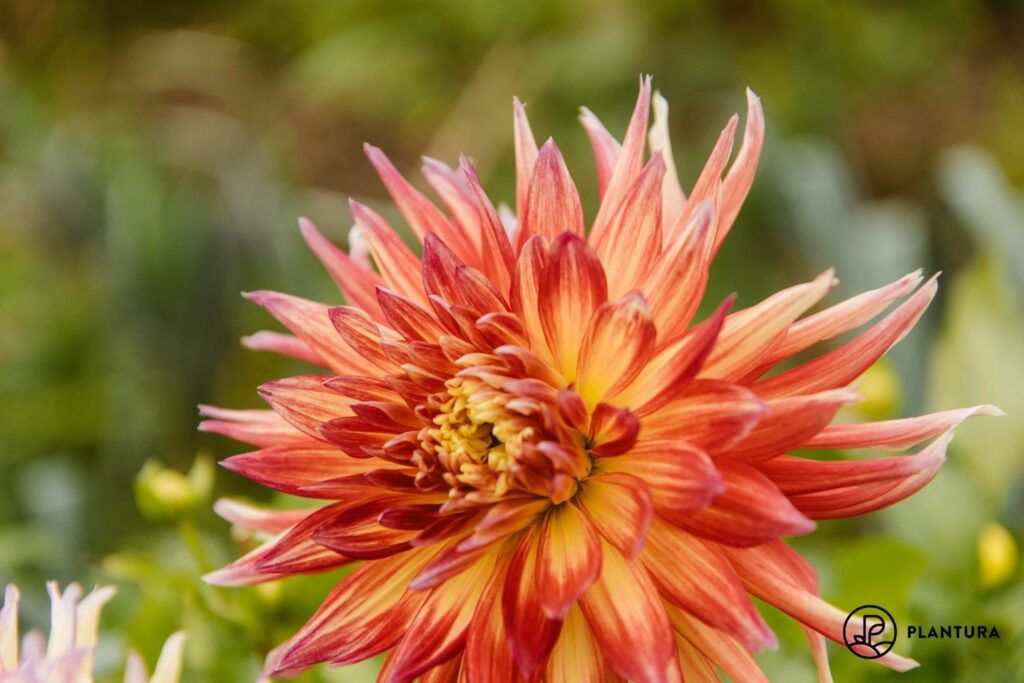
{"points": [[475, 437]]}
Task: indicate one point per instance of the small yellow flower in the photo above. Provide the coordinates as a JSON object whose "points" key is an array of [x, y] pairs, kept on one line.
{"points": [[998, 555]]}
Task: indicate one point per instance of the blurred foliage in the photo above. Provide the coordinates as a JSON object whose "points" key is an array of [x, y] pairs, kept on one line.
{"points": [[154, 156]]}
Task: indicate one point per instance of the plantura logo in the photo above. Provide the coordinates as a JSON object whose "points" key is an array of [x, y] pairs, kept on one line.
{"points": [[869, 631]]}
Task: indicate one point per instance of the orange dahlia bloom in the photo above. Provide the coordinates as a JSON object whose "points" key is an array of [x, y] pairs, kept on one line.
{"points": [[545, 470]]}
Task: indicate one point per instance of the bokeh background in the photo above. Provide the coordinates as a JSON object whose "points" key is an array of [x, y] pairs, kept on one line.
{"points": [[154, 157]]}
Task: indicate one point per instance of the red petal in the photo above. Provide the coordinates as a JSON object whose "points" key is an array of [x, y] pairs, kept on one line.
{"points": [[712, 415], [526, 157], [633, 239], [488, 656], [572, 287], [627, 166], [748, 336], [694, 575], [670, 372], [305, 402], [284, 344], [255, 427], [676, 282], [856, 488], [842, 317], [418, 211], [618, 344], [681, 478], [525, 293], [896, 434], [495, 239], [438, 631], [289, 469], [366, 614], [606, 148], [397, 264], [356, 282], [621, 508], [790, 422], [568, 559], [710, 178], [751, 510], [741, 174], [311, 322], [408, 319], [362, 335], [530, 633], [727, 653], [627, 616], [613, 431], [841, 366], [553, 204]]}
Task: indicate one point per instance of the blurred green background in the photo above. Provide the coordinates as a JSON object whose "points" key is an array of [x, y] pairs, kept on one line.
{"points": [[154, 157]]}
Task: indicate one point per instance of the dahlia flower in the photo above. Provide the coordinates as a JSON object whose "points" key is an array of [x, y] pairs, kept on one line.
{"points": [[543, 467], [67, 656]]}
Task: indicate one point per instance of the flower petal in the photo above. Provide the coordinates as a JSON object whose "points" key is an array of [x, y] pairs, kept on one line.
{"points": [[553, 204], [727, 653], [633, 239], [896, 434], [673, 199], [354, 280], [621, 508], [568, 559], [530, 633], [842, 317], [741, 174], [671, 371], [606, 148], [367, 613], [311, 322], [680, 477], [576, 657], [693, 574], [526, 157], [305, 402], [572, 287], [290, 469], [397, 264], [850, 500], [676, 282], [747, 336], [751, 510], [841, 366], [627, 166], [254, 427], [418, 211], [710, 178], [628, 619], [438, 631], [488, 656], [364, 336], [790, 422], [284, 344], [618, 344], [712, 415]]}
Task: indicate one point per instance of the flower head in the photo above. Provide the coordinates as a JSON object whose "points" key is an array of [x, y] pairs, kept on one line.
{"points": [[545, 466], [67, 656]]}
